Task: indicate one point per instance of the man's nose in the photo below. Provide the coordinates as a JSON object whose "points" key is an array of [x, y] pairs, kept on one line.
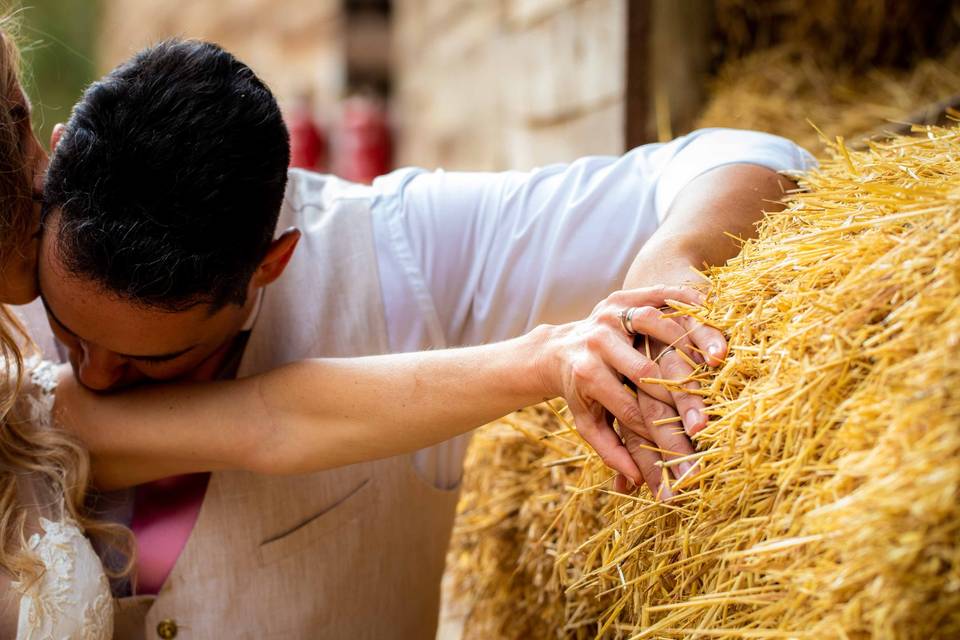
{"points": [[100, 369]]}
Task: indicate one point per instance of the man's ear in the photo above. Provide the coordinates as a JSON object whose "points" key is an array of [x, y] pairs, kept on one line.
{"points": [[277, 258], [55, 135]]}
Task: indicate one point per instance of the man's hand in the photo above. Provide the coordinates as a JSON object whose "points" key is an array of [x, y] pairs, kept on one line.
{"points": [[700, 229], [588, 361]]}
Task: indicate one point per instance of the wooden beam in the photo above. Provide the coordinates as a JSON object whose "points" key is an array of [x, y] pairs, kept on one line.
{"points": [[636, 95], [934, 113], [668, 65]]}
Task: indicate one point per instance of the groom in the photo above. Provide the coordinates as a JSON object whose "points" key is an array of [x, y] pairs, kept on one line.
{"points": [[176, 245]]}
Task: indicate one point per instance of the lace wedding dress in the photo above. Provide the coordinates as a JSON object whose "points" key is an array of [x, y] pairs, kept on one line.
{"points": [[71, 599]]}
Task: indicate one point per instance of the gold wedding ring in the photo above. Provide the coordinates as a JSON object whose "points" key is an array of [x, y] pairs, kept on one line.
{"points": [[626, 320]]}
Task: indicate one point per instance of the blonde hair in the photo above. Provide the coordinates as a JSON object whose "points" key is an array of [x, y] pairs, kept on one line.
{"points": [[43, 458]]}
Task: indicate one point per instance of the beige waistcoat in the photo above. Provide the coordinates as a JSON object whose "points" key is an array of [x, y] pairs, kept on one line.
{"points": [[356, 552]]}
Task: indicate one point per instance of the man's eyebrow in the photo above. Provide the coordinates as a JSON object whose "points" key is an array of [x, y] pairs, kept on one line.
{"points": [[163, 357]]}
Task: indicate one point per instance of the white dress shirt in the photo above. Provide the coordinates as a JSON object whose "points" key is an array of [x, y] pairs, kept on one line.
{"points": [[469, 258]]}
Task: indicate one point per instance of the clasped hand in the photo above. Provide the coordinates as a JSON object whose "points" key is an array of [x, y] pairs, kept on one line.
{"points": [[592, 359]]}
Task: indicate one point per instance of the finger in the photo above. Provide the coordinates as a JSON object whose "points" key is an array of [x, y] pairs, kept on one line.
{"points": [[606, 389], [689, 406], [642, 451], [708, 340], [620, 356], [656, 296], [644, 416], [668, 436], [604, 440], [650, 321], [623, 484]]}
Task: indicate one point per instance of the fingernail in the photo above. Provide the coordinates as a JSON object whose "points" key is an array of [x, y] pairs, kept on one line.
{"points": [[693, 420], [715, 350], [664, 493], [683, 468]]}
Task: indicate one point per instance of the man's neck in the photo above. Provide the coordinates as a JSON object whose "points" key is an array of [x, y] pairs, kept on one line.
{"points": [[224, 363]]}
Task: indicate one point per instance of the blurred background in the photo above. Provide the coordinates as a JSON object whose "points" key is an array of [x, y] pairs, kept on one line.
{"points": [[367, 85], [495, 84], [57, 40]]}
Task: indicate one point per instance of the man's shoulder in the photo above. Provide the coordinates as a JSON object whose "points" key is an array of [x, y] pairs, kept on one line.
{"points": [[310, 185], [310, 194]]}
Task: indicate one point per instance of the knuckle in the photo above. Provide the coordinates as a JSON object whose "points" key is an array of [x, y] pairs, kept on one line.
{"points": [[643, 368], [595, 338], [647, 314], [655, 410], [631, 415], [582, 370], [634, 443], [611, 302], [673, 366]]}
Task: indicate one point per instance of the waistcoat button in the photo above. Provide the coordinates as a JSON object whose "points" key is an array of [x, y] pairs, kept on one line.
{"points": [[167, 629]]}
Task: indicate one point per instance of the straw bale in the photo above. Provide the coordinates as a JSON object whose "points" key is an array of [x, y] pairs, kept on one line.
{"points": [[783, 89], [849, 66], [827, 501], [861, 34]]}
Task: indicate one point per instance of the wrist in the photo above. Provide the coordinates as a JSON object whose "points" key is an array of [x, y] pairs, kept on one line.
{"points": [[542, 361]]}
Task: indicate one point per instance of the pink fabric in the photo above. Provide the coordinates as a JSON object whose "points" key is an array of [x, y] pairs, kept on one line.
{"points": [[164, 514]]}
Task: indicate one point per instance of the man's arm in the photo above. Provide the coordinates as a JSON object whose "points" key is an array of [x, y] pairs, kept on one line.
{"points": [[730, 200], [727, 200], [496, 254]]}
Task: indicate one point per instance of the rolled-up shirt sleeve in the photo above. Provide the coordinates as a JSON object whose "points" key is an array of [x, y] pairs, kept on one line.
{"points": [[488, 256], [707, 149]]}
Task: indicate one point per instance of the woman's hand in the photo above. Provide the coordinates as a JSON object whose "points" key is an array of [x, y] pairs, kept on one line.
{"points": [[586, 363]]}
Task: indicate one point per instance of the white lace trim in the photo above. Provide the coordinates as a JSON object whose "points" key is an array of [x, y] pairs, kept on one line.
{"points": [[71, 600], [42, 376]]}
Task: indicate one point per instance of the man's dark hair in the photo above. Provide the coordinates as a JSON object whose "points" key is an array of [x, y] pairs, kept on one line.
{"points": [[169, 177]]}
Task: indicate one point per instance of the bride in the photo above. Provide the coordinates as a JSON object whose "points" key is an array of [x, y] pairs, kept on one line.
{"points": [[54, 584]]}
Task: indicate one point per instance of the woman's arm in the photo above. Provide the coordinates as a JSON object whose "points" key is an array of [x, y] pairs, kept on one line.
{"points": [[322, 413], [305, 416]]}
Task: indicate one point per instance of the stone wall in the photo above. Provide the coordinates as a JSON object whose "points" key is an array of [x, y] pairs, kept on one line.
{"points": [[478, 84], [486, 85], [294, 45]]}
